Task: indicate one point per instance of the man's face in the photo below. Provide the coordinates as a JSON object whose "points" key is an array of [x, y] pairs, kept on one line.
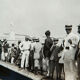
{"points": [[55, 42], [68, 31], [26, 39]]}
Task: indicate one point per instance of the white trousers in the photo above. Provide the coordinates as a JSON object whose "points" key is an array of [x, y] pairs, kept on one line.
{"points": [[2, 56], [6, 54], [25, 59], [70, 70], [36, 63], [12, 60]]}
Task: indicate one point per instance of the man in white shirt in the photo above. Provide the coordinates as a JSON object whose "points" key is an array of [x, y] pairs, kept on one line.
{"points": [[70, 47], [25, 50], [37, 49]]}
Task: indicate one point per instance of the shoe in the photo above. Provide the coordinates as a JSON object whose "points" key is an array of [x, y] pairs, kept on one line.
{"points": [[20, 68], [51, 78], [58, 79], [47, 77], [41, 73], [35, 73]]}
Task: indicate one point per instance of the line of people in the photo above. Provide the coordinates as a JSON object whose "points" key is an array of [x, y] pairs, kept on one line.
{"points": [[52, 55]]}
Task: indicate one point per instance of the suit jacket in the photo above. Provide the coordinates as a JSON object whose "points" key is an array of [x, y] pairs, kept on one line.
{"points": [[55, 52]]}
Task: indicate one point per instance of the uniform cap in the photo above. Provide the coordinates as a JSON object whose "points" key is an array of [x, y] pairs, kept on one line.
{"points": [[37, 40], [28, 37], [68, 27], [79, 26]]}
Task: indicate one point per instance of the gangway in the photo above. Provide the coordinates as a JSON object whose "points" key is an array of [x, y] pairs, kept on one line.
{"points": [[22, 72]]}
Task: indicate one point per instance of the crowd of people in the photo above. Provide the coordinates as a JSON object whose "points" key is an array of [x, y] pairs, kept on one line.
{"points": [[48, 57]]}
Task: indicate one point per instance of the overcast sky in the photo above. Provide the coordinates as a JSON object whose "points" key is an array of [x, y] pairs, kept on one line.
{"points": [[34, 17]]}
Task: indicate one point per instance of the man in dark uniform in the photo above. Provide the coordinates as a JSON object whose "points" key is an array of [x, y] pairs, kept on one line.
{"points": [[0, 48], [47, 45], [18, 55], [6, 46], [78, 53], [31, 55]]}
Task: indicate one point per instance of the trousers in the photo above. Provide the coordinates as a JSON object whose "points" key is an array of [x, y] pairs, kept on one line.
{"points": [[25, 59], [70, 70], [12, 60], [2, 56], [78, 61]]}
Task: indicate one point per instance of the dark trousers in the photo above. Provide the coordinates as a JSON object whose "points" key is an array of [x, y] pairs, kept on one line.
{"points": [[0, 56], [54, 65], [31, 60], [78, 61], [41, 65]]}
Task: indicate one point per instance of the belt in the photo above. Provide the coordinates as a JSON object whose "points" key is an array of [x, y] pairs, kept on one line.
{"points": [[67, 47], [25, 50]]}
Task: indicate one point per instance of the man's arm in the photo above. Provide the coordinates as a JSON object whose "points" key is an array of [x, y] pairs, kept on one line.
{"points": [[74, 41]]}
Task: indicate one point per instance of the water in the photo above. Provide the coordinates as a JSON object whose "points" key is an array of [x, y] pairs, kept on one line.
{"points": [[6, 74]]}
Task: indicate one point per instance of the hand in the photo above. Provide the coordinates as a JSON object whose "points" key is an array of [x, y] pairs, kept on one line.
{"points": [[70, 41], [59, 57], [21, 45], [74, 46]]}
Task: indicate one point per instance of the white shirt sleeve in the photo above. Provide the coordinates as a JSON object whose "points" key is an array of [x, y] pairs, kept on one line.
{"points": [[21, 45], [75, 40]]}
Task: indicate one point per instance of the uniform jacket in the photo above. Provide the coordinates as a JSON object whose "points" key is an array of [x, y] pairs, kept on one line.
{"points": [[55, 52], [78, 49], [25, 45], [5, 46], [13, 52], [69, 54]]}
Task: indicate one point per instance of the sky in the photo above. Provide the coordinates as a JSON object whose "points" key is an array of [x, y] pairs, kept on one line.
{"points": [[34, 17]]}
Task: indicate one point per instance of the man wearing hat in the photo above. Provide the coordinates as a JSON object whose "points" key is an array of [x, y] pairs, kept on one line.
{"points": [[78, 53], [54, 59], [70, 47], [25, 50], [5, 48], [37, 50], [0, 48]]}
